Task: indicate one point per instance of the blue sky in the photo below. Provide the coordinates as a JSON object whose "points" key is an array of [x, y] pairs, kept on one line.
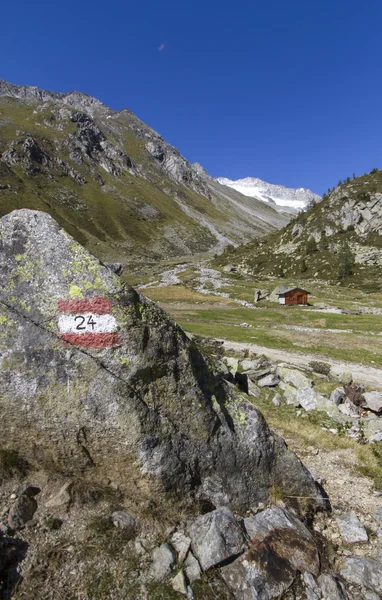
{"points": [[286, 91]]}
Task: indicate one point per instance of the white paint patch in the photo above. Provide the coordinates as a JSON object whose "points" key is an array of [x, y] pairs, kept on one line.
{"points": [[87, 323]]}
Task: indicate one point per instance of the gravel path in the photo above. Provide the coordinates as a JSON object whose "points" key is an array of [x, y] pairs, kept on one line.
{"points": [[370, 376]]}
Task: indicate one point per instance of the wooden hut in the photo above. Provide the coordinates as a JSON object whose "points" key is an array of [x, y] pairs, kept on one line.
{"points": [[294, 295]]}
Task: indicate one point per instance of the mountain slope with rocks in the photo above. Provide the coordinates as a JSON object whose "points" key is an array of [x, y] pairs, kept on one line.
{"points": [[337, 239], [276, 195], [114, 183]]}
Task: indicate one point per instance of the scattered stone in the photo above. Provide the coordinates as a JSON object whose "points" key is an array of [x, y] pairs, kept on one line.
{"points": [[363, 571], [215, 537], [338, 396], [331, 588], [281, 546], [276, 400], [294, 377], [290, 393], [21, 512], [349, 409], [124, 520], [345, 378], [192, 568], [62, 498], [268, 381], [163, 559], [351, 529], [181, 543], [179, 583], [255, 375], [373, 401], [253, 389], [232, 362]]}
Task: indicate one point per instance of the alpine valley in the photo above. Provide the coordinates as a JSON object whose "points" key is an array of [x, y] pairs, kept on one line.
{"points": [[114, 183]]}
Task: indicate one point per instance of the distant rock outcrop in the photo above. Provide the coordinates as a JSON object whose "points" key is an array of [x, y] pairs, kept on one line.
{"points": [[95, 376]]}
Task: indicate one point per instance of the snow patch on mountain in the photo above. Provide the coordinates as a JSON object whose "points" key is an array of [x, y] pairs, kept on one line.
{"points": [[272, 194]]}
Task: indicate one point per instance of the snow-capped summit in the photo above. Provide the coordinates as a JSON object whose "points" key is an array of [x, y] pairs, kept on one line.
{"points": [[273, 194]]}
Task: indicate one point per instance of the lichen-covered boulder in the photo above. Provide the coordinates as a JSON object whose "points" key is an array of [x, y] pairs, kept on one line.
{"points": [[95, 376]]}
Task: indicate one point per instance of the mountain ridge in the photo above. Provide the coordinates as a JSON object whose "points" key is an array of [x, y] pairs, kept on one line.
{"points": [[114, 183]]}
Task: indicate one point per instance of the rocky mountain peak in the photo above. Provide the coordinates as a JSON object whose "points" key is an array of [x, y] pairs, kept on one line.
{"points": [[34, 94]]}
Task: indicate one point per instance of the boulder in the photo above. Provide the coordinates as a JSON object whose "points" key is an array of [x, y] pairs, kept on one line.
{"points": [[280, 547], [62, 498], [21, 511], [192, 568], [216, 537], [363, 571], [257, 374], [268, 381], [351, 530], [331, 587], [373, 401], [162, 562], [338, 396], [181, 543], [349, 409], [96, 378], [290, 393], [179, 583], [294, 377], [345, 377], [253, 389], [276, 400]]}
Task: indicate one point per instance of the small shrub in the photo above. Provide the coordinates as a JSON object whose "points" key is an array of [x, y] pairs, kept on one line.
{"points": [[320, 367], [52, 523], [311, 246], [12, 464]]}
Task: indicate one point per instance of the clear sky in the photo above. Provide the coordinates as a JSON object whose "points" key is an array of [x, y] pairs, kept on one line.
{"points": [[288, 91]]}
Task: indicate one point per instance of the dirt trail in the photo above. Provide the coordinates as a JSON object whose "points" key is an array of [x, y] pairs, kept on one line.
{"points": [[370, 376]]}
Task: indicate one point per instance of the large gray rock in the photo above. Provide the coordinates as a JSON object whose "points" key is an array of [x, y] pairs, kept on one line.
{"points": [[338, 395], [192, 568], [294, 377], [216, 537], [162, 562], [373, 401], [268, 381], [280, 547], [363, 571], [351, 529], [129, 396], [331, 587]]}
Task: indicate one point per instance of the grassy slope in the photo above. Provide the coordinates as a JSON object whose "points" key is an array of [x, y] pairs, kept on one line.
{"points": [[358, 337]]}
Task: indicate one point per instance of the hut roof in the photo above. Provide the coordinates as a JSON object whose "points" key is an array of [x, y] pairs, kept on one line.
{"points": [[282, 291]]}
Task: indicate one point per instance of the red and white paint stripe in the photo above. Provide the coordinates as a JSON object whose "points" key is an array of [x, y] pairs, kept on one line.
{"points": [[88, 323]]}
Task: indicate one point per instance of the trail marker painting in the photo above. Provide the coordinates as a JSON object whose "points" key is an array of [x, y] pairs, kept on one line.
{"points": [[88, 323]]}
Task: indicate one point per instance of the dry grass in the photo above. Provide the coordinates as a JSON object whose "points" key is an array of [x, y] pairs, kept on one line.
{"points": [[179, 293]]}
